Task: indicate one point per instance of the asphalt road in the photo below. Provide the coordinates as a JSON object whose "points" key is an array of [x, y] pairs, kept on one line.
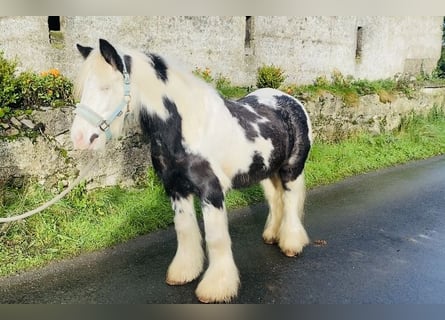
{"points": [[384, 236]]}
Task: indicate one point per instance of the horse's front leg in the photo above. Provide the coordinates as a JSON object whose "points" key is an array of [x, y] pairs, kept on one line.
{"points": [[221, 280], [189, 259]]}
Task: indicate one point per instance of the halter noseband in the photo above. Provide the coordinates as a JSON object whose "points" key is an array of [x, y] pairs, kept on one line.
{"points": [[104, 124]]}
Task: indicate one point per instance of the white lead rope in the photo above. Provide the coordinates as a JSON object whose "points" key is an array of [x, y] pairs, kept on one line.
{"points": [[46, 205]]}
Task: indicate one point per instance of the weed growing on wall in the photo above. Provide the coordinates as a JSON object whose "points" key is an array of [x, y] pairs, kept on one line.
{"points": [[350, 89], [270, 76], [204, 74], [221, 83], [227, 90]]}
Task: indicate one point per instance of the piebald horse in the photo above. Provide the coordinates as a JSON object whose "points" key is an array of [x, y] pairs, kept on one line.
{"points": [[201, 145]]}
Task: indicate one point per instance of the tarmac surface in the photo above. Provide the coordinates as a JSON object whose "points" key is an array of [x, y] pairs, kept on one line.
{"points": [[376, 238]]}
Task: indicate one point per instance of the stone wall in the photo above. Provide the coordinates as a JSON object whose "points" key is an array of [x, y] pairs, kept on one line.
{"points": [[333, 119], [50, 158], [305, 47]]}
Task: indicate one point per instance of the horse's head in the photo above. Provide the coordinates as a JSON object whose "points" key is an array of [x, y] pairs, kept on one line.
{"points": [[104, 89]]}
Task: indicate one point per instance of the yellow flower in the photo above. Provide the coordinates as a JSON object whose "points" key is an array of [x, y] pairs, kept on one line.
{"points": [[54, 72]]}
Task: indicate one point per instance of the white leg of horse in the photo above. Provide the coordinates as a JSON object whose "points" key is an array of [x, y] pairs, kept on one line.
{"points": [[221, 280], [273, 191], [293, 236], [189, 259]]}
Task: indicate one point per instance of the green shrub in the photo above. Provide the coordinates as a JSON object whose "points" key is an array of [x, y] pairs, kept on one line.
{"points": [[270, 77], [8, 84], [29, 90], [47, 89]]}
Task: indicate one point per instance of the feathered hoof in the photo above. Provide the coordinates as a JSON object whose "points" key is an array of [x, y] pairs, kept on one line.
{"points": [[292, 243], [270, 237], [218, 287], [180, 274]]}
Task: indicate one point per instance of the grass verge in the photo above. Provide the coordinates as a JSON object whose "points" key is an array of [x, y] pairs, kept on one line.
{"points": [[417, 138], [88, 221]]}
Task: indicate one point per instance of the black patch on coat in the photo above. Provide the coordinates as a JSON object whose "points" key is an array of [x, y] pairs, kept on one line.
{"points": [[245, 118], [287, 128], [257, 172], [160, 66], [182, 173]]}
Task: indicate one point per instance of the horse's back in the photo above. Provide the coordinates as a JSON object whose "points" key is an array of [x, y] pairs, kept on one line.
{"points": [[269, 96]]}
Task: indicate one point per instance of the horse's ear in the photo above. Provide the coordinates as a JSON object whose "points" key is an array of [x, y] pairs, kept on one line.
{"points": [[110, 54], [84, 51]]}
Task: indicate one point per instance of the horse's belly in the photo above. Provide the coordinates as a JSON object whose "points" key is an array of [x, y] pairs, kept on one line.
{"points": [[248, 169]]}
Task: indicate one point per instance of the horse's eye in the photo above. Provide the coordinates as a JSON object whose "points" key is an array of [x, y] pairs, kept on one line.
{"points": [[105, 88]]}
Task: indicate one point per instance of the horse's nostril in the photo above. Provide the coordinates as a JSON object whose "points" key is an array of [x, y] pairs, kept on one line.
{"points": [[93, 137]]}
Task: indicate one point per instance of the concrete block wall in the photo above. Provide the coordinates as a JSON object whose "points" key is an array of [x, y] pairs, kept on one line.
{"points": [[235, 46]]}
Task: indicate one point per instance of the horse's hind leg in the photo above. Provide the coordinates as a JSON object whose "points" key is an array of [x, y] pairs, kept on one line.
{"points": [[273, 191], [293, 236], [189, 259]]}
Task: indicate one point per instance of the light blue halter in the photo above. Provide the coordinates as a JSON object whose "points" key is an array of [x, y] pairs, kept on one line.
{"points": [[104, 124]]}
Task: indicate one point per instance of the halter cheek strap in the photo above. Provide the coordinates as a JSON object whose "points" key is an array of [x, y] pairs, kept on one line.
{"points": [[104, 124]]}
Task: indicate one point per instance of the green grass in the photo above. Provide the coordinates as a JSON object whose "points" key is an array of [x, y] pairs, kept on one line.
{"points": [[91, 220], [416, 138]]}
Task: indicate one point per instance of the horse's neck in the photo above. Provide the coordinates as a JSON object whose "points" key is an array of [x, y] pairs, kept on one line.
{"points": [[189, 95], [196, 102], [149, 93]]}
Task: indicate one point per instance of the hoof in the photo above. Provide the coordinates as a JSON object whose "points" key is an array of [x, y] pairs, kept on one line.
{"points": [[175, 282], [178, 274], [270, 240], [270, 237], [291, 253]]}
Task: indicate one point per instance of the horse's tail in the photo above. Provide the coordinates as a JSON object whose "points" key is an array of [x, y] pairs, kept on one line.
{"points": [[299, 130]]}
